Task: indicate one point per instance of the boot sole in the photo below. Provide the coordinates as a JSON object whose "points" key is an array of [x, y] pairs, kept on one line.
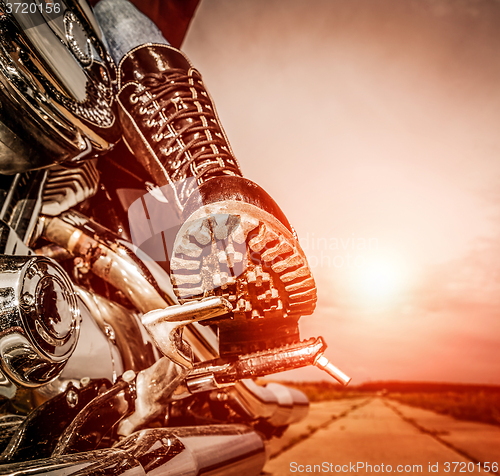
{"points": [[237, 250]]}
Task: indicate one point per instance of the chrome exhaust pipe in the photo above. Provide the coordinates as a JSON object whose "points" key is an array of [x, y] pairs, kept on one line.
{"points": [[96, 249], [215, 449], [278, 404]]}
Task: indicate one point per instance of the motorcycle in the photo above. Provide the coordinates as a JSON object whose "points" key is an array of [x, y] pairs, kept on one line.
{"points": [[103, 371]]}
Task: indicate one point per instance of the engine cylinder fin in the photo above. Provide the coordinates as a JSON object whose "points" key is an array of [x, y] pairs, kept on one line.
{"points": [[67, 187]]}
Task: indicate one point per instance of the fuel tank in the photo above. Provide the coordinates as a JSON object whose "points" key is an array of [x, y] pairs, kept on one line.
{"points": [[56, 85]]}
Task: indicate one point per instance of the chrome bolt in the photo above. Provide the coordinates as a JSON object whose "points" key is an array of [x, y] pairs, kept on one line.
{"points": [[222, 397], [80, 265], [110, 332], [72, 398], [128, 376], [28, 299], [31, 272]]}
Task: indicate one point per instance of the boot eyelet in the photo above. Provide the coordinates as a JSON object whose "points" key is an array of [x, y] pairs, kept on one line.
{"points": [[133, 98], [157, 137]]}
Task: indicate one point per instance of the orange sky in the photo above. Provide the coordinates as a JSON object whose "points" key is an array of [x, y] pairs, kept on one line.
{"points": [[375, 124]]}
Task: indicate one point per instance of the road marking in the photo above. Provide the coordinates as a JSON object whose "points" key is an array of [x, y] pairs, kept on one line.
{"points": [[367, 435], [322, 426], [433, 434]]}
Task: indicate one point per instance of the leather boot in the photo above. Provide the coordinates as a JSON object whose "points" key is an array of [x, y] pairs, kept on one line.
{"points": [[234, 240]]}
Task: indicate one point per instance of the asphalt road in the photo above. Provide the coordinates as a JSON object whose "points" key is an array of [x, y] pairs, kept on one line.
{"points": [[377, 435]]}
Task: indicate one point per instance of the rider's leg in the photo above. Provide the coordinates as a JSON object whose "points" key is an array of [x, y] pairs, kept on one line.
{"points": [[125, 27], [234, 240]]}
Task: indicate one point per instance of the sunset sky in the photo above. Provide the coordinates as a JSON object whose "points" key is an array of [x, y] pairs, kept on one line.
{"points": [[375, 124]]}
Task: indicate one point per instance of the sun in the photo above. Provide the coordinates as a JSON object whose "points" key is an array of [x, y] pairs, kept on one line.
{"points": [[379, 280]]}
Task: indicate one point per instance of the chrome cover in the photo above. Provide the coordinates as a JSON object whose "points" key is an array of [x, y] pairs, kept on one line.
{"points": [[39, 319], [56, 87], [278, 404], [206, 450]]}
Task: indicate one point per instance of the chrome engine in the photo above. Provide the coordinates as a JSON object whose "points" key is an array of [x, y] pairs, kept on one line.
{"points": [[155, 362], [107, 370], [56, 87], [102, 371], [67, 187]]}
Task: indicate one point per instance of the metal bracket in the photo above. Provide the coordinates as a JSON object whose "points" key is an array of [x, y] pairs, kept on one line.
{"points": [[165, 325]]}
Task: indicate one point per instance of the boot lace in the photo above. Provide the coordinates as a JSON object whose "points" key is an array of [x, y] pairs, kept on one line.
{"points": [[187, 129]]}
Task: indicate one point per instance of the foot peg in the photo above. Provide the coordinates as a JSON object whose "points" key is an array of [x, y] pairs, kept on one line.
{"points": [[165, 326], [221, 372]]}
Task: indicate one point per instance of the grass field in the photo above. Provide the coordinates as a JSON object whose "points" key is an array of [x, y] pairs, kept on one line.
{"points": [[324, 391], [464, 402], [473, 406]]}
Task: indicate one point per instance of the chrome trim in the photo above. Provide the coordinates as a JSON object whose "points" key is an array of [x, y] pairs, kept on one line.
{"points": [[66, 187], [114, 462], [123, 329], [260, 364], [96, 356], [324, 364], [94, 421], [21, 207], [39, 319], [215, 450], [166, 325], [293, 405], [154, 386], [56, 88], [278, 404], [83, 53], [11, 243], [107, 258]]}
